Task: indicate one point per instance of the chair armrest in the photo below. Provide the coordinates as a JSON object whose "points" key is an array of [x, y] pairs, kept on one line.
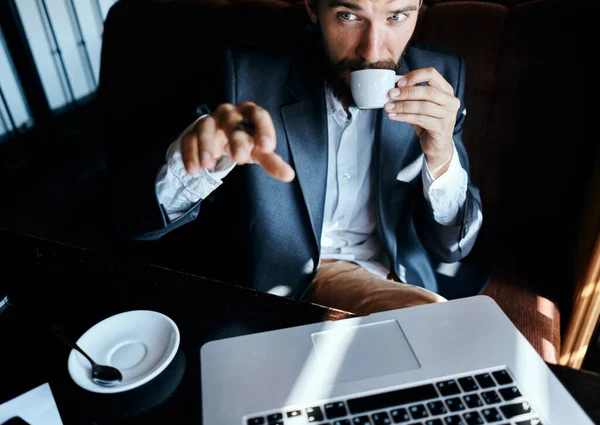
{"points": [[535, 316]]}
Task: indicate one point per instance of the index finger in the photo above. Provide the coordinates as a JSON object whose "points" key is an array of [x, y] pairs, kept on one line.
{"points": [[426, 75], [264, 130], [275, 166]]}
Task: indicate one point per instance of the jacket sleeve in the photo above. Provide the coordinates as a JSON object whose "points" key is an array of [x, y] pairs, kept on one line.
{"points": [[451, 243]]}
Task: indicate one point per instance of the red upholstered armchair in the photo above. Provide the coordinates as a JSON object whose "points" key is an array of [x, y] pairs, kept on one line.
{"points": [[537, 172]]}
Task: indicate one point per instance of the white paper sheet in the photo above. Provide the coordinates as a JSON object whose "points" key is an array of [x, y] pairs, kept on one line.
{"points": [[36, 406]]}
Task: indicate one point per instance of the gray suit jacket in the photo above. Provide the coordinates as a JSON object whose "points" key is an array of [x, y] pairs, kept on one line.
{"points": [[259, 232]]}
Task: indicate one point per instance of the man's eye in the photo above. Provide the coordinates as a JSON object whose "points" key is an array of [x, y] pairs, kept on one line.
{"points": [[347, 16], [398, 17]]}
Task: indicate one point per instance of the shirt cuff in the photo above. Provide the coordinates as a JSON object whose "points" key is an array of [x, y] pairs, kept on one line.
{"points": [[179, 191], [448, 192], [203, 182]]}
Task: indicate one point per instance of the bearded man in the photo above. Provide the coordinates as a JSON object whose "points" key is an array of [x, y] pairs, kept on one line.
{"points": [[284, 185]]}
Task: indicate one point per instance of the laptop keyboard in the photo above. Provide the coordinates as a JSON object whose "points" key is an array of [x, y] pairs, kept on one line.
{"points": [[475, 399]]}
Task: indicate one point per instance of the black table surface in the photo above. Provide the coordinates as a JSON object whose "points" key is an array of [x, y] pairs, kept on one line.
{"points": [[54, 284]]}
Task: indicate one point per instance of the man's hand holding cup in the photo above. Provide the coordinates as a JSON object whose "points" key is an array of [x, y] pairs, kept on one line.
{"points": [[431, 109]]}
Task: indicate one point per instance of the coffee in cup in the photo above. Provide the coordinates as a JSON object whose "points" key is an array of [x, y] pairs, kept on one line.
{"points": [[370, 87]]}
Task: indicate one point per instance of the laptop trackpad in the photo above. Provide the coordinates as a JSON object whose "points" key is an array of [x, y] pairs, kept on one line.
{"points": [[364, 351]]}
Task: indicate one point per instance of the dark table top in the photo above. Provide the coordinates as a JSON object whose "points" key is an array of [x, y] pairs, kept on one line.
{"points": [[51, 284]]}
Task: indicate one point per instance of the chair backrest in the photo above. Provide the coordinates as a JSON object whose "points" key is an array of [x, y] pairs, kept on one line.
{"points": [[524, 130], [529, 155]]}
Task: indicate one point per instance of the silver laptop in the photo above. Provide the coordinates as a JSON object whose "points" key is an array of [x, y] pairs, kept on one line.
{"points": [[460, 362]]}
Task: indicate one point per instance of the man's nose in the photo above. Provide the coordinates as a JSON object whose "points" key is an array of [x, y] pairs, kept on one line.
{"points": [[369, 48]]}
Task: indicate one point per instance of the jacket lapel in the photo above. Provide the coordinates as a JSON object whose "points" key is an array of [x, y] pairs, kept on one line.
{"points": [[392, 141], [305, 124]]}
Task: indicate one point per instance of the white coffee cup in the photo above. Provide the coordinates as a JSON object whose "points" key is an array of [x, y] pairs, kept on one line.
{"points": [[370, 87]]}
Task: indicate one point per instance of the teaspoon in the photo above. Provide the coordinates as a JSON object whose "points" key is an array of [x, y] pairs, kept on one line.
{"points": [[107, 376]]}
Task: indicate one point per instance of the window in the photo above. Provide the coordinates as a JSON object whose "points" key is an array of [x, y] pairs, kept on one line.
{"points": [[14, 114], [65, 37], [104, 5]]}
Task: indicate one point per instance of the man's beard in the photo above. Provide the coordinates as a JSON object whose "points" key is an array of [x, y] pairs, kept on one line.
{"points": [[337, 75]]}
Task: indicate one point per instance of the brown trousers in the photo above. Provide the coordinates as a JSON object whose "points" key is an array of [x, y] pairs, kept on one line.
{"points": [[349, 287]]}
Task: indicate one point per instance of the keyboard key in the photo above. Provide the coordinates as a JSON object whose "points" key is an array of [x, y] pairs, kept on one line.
{"points": [[454, 420], [335, 410], [276, 423], [502, 377], [418, 411], [455, 404], [436, 408], [314, 414], [491, 397], [434, 422], [342, 422], [274, 418], [510, 393], [400, 415], [381, 418], [363, 420], [516, 409], [294, 413], [473, 401], [534, 421], [485, 380], [468, 384], [448, 387], [491, 415], [393, 398], [473, 418], [256, 421]]}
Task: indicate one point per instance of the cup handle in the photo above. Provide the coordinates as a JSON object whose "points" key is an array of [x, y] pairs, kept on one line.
{"points": [[397, 78]]}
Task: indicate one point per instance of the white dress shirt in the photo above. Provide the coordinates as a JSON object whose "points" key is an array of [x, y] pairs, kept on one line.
{"points": [[350, 223]]}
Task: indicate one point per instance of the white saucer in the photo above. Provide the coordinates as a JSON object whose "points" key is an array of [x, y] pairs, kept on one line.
{"points": [[140, 343]]}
